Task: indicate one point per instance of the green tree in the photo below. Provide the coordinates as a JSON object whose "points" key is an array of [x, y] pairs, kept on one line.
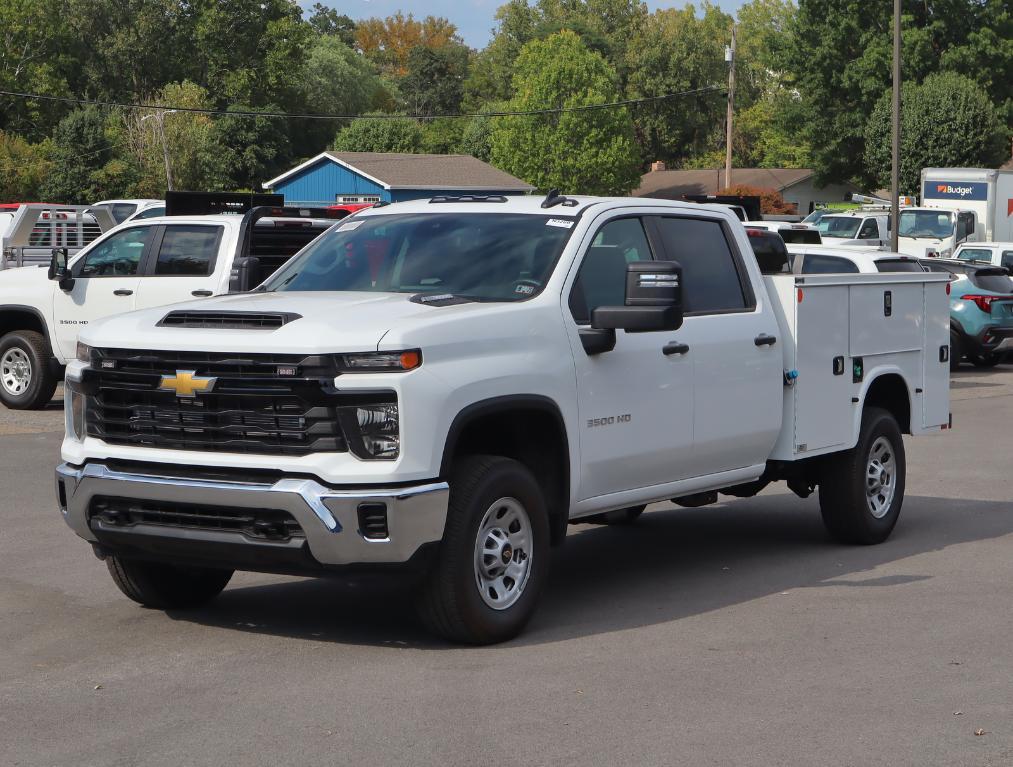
{"points": [[947, 122], [23, 167], [380, 134], [434, 81], [589, 151], [442, 136], [245, 151], [840, 61], [80, 150], [327, 21], [676, 51], [32, 58]]}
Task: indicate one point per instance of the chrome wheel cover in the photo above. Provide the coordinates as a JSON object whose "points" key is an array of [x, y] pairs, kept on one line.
{"points": [[503, 553], [880, 477], [15, 371]]}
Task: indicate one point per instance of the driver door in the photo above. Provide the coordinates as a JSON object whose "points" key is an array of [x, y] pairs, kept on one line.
{"points": [[106, 279]]}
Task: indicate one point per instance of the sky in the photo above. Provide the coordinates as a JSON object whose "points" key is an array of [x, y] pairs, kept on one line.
{"points": [[474, 18]]}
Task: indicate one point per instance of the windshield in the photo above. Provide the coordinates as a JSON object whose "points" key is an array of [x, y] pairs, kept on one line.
{"points": [[481, 256], [937, 224], [975, 254], [843, 227]]}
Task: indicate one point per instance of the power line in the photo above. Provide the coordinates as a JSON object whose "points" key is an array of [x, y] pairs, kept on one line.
{"points": [[309, 116]]}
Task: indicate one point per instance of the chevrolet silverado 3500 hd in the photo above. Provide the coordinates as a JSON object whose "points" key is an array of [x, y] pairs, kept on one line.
{"points": [[443, 385]]}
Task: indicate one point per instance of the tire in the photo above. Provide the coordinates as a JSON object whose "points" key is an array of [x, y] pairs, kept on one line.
{"points": [[987, 360], [850, 510], [455, 601], [27, 381], [166, 587], [956, 352], [626, 516]]}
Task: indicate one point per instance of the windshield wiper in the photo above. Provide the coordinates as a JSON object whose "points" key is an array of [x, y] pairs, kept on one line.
{"points": [[441, 299]]}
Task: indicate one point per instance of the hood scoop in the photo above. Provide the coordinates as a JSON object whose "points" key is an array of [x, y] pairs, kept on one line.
{"points": [[227, 320]]}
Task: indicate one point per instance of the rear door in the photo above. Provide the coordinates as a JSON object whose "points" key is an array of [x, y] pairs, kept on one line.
{"points": [[181, 264], [733, 342]]}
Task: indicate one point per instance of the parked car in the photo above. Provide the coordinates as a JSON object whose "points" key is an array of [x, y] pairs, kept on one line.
{"points": [[855, 228], [790, 233], [826, 259], [148, 262], [981, 311], [995, 253], [442, 388], [122, 210]]}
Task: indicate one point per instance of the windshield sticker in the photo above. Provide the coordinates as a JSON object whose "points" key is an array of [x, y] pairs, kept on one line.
{"points": [[562, 223], [350, 226]]}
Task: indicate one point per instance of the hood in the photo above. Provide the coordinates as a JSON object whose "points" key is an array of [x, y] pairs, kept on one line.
{"points": [[326, 322], [15, 283], [922, 247]]}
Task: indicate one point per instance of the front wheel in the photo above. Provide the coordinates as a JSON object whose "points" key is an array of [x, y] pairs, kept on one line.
{"points": [[494, 555], [166, 587], [862, 489], [27, 381]]}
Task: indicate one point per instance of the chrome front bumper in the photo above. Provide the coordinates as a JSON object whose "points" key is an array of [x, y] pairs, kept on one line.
{"points": [[416, 515]]}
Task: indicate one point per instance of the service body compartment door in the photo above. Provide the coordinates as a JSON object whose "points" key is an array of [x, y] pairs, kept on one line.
{"points": [[936, 395], [823, 390], [886, 318]]}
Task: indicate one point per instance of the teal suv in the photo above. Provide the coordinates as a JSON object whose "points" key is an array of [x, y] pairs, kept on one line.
{"points": [[981, 311]]}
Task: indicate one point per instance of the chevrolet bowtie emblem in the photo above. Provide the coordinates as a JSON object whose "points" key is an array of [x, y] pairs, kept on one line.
{"points": [[185, 383]]}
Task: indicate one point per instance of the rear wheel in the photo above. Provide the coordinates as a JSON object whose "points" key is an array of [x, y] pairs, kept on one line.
{"points": [[166, 587], [27, 381], [986, 360], [494, 555], [862, 489], [955, 350]]}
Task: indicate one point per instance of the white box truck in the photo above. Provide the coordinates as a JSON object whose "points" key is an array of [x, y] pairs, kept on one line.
{"points": [[958, 205]]}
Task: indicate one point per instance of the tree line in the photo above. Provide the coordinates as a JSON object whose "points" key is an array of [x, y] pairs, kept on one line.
{"points": [[812, 90]]}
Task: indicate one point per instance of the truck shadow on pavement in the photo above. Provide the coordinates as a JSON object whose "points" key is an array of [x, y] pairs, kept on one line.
{"points": [[672, 564]]}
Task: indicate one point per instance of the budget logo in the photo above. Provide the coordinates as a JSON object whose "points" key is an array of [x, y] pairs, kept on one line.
{"points": [[960, 191]]}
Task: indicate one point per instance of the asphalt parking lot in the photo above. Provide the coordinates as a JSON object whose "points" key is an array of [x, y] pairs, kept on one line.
{"points": [[729, 635]]}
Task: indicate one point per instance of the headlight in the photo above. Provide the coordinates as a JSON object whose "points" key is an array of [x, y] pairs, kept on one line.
{"points": [[75, 409], [380, 362], [83, 352], [372, 429]]}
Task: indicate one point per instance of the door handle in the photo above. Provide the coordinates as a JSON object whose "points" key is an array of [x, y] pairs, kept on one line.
{"points": [[674, 347], [764, 340], [201, 293], [123, 292]]}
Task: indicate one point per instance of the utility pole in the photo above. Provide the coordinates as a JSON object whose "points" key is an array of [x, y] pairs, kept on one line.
{"points": [[895, 169], [730, 58]]}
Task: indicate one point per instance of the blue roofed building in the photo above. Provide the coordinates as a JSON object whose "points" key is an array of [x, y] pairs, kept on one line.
{"points": [[333, 178]]}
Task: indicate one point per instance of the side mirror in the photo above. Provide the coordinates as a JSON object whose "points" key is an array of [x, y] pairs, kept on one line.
{"points": [[653, 300], [653, 303], [59, 269], [970, 225]]}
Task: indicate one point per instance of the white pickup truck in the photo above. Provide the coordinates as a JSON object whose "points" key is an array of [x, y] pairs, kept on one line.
{"points": [[147, 262], [445, 385]]}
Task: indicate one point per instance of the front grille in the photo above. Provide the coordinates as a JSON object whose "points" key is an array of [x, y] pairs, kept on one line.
{"points": [[228, 320], [264, 524], [267, 404]]}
